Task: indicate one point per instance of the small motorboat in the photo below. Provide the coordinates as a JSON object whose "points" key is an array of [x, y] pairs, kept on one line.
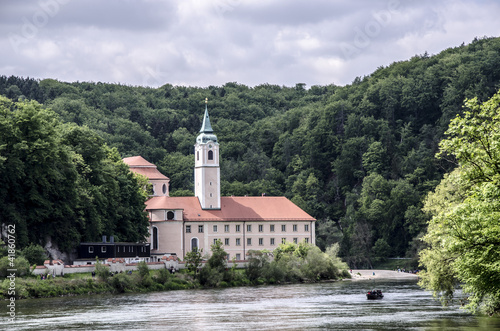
{"points": [[375, 294]]}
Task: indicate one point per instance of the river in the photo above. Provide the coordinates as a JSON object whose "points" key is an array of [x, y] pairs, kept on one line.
{"points": [[324, 306]]}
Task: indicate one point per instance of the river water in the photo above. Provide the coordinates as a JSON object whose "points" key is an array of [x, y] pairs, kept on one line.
{"points": [[325, 306]]}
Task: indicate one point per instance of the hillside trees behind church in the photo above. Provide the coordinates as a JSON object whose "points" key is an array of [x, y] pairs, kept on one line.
{"points": [[359, 158], [61, 182]]}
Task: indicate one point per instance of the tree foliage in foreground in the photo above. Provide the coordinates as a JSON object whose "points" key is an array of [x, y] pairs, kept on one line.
{"points": [[61, 182], [464, 233], [296, 262]]}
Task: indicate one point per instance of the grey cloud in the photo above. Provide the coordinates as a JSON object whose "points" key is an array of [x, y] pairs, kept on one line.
{"points": [[201, 43]]}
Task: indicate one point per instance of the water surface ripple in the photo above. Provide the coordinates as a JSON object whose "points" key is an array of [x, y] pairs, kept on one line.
{"points": [[324, 306]]}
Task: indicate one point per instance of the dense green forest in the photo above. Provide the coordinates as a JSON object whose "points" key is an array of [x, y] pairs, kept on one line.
{"points": [[360, 158]]}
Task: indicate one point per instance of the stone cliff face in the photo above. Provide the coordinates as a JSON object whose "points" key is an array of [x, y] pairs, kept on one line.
{"points": [[55, 254]]}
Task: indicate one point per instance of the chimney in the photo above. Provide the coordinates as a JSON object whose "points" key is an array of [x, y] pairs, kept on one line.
{"points": [[112, 239], [103, 239]]}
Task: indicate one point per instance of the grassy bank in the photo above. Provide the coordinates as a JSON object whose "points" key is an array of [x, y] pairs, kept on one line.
{"points": [[78, 284], [136, 282], [292, 263]]}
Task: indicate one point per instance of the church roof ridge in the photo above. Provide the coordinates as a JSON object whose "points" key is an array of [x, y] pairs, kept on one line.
{"points": [[137, 161], [257, 208]]}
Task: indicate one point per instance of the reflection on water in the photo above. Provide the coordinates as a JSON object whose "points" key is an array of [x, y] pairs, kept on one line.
{"points": [[340, 305]]}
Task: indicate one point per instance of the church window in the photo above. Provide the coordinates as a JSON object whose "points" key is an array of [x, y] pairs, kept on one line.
{"points": [[155, 237], [194, 243], [188, 228], [170, 215], [200, 228], [164, 189], [210, 155]]}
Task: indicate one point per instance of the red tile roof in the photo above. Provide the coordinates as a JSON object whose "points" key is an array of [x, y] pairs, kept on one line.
{"points": [[139, 165], [234, 209], [137, 161]]}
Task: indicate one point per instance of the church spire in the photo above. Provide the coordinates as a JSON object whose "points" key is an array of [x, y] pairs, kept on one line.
{"points": [[206, 127], [206, 131]]}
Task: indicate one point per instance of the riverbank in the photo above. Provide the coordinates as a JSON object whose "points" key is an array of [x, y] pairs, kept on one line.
{"points": [[370, 274], [87, 284], [156, 281]]}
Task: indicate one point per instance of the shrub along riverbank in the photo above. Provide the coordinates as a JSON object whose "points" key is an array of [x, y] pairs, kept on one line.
{"points": [[291, 264]]}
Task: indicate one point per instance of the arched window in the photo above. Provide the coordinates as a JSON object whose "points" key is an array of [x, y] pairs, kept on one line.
{"points": [[170, 215], [194, 243], [210, 155], [164, 188], [155, 237]]}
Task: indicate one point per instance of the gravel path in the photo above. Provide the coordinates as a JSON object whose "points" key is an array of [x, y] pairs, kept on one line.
{"points": [[365, 274]]}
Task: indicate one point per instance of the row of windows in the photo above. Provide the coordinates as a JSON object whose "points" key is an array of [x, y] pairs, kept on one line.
{"points": [[272, 241], [249, 228]]}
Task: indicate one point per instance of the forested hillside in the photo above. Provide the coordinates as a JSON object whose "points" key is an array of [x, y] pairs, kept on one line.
{"points": [[360, 158]]}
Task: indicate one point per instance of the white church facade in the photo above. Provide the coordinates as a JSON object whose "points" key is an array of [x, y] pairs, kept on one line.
{"points": [[179, 224]]}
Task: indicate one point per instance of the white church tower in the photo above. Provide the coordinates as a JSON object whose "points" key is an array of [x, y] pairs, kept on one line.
{"points": [[206, 166]]}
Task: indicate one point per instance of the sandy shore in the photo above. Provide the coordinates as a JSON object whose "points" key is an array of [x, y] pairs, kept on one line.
{"points": [[362, 274]]}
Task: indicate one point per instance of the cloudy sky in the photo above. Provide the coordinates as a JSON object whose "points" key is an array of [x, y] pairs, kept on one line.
{"points": [[211, 42]]}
